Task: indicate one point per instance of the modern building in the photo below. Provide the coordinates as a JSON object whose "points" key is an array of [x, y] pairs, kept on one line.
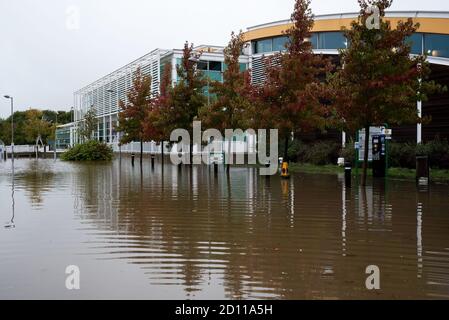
{"points": [[266, 39], [327, 38], [104, 94], [64, 135]]}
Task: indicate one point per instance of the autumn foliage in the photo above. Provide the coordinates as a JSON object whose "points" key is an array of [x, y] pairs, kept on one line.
{"points": [[378, 82], [288, 101], [134, 111]]}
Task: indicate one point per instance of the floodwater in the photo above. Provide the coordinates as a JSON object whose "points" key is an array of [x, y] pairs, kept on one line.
{"points": [[191, 235]]}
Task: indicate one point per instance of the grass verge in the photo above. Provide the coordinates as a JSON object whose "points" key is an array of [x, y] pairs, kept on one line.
{"points": [[436, 175]]}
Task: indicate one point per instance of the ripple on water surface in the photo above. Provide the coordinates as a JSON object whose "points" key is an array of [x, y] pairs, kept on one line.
{"points": [[176, 233]]}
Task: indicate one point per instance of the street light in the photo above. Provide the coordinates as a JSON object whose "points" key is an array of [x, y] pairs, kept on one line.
{"points": [[12, 125], [11, 223], [56, 138]]}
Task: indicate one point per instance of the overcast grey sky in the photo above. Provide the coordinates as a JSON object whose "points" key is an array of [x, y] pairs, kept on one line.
{"points": [[44, 57]]}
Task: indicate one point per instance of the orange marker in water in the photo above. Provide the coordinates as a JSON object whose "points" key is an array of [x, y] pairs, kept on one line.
{"points": [[285, 174]]}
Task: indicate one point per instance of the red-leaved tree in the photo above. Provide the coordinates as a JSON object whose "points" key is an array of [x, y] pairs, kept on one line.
{"points": [[288, 101], [134, 112], [379, 82]]}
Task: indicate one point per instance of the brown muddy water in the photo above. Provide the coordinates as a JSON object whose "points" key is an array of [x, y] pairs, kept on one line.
{"points": [[189, 235]]}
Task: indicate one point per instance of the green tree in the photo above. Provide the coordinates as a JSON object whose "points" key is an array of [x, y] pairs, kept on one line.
{"points": [[379, 82], [134, 112], [19, 133], [36, 126], [58, 117], [20, 129], [89, 125]]}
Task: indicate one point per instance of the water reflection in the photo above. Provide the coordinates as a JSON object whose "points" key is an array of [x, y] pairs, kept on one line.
{"points": [[10, 224], [246, 236]]}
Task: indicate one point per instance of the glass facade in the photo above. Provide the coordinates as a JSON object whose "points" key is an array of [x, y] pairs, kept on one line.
{"points": [[264, 46], [108, 127], [62, 138], [416, 43], [320, 40], [103, 95], [101, 131], [213, 70], [436, 45], [331, 40], [314, 40], [280, 43]]}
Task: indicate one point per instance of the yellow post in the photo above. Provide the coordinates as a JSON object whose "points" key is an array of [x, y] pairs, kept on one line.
{"points": [[285, 174]]}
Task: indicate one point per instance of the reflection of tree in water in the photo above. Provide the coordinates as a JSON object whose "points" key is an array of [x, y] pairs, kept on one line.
{"points": [[37, 178], [207, 235], [268, 240]]}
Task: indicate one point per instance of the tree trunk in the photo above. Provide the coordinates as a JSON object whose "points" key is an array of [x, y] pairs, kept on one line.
{"points": [[191, 153], [365, 156], [141, 151], [286, 149], [162, 153], [228, 165]]}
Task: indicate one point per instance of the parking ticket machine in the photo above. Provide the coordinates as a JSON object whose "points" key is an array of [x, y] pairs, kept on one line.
{"points": [[379, 149]]}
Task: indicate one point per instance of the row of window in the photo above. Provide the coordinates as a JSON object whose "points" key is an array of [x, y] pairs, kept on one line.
{"points": [[209, 67], [62, 138], [319, 40], [436, 45]]}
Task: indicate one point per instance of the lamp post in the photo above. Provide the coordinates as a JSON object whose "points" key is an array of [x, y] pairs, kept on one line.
{"points": [[12, 125], [11, 223], [72, 126], [56, 138]]}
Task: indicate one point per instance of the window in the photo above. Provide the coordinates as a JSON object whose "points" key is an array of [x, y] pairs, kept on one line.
{"points": [[279, 43], [214, 75], [314, 40], [202, 65], [215, 66], [436, 45], [264, 46], [415, 41], [331, 40]]}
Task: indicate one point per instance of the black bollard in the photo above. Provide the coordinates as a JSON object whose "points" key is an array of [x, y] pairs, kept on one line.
{"points": [[152, 161], [215, 168], [348, 174], [132, 159]]}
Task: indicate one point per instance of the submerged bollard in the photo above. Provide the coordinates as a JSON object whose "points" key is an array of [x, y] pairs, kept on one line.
{"points": [[422, 170], [132, 159], [215, 168], [348, 174], [285, 174]]}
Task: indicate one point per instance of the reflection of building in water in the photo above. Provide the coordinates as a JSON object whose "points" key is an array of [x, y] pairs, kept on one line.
{"points": [[373, 206], [419, 244], [267, 240], [344, 212], [11, 224]]}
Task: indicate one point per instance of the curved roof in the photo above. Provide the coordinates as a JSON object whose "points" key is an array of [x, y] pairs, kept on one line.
{"points": [[430, 21]]}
